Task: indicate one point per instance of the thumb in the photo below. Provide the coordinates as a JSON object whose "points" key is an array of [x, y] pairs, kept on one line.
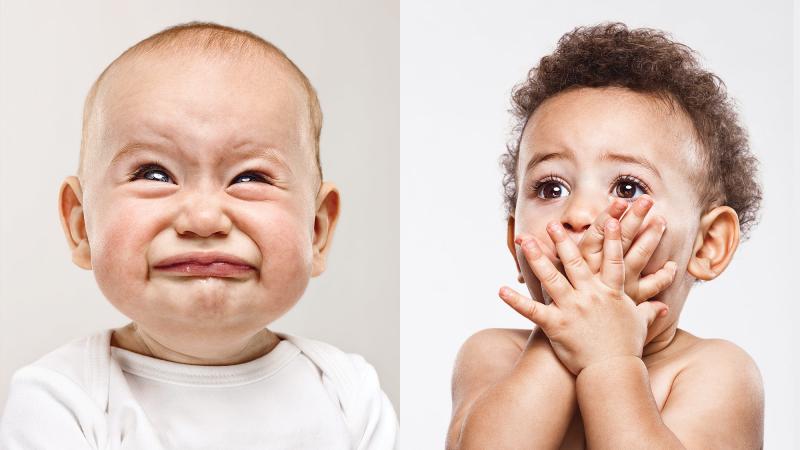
{"points": [[651, 310]]}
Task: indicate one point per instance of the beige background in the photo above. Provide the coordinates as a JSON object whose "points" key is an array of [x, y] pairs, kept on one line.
{"points": [[51, 51]]}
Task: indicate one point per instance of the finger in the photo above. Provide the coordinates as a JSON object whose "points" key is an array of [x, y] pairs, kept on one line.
{"points": [[551, 279], [652, 310], [591, 244], [655, 283], [575, 266], [639, 254], [613, 267], [632, 220], [536, 312]]}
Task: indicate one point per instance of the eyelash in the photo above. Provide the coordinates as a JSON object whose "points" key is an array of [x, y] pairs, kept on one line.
{"points": [[634, 180], [258, 177], [546, 179], [139, 172], [143, 169], [619, 178]]}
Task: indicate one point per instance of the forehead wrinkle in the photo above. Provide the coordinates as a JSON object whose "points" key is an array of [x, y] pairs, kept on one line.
{"points": [[202, 42], [266, 153], [137, 147]]}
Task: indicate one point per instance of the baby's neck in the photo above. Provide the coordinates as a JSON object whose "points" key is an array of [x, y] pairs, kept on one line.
{"points": [[134, 339], [663, 344]]}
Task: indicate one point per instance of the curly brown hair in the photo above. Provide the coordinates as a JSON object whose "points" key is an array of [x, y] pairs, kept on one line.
{"points": [[647, 61]]}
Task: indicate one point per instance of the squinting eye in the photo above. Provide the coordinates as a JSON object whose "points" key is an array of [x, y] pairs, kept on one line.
{"points": [[628, 188], [551, 189], [249, 177], [152, 172]]}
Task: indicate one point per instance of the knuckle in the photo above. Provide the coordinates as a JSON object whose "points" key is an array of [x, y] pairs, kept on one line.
{"points": [[551, 277], [663, 283], [642, 251], [615, 261], [627, 237], [632, 271], [574, 263], [598, 230], [532, 309]]}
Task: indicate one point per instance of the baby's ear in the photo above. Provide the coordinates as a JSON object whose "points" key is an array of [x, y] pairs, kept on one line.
{"points": [[716, 242], [324, 224], [512, 248], [70, 207]]}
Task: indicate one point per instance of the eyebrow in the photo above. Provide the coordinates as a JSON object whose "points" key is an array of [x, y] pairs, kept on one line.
{"points": [[130, 148], [250, 152], [631, 159], [607, 156], [258, 152], [542, 157]]}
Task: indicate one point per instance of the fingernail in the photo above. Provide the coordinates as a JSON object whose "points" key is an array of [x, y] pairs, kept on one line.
{"points": [[556, 229], [617, 203], [531, 247], [643, 205]]}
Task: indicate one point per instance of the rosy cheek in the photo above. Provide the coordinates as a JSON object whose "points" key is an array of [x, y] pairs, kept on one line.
{"points": [[282, 237], [119, 241], [674, 245]]}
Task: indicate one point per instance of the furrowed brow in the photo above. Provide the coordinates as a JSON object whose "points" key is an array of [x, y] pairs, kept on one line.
{"points": [[126, 150], [257, 152]]}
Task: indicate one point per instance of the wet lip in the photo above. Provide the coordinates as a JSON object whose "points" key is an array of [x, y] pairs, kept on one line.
{"points": [[201, 264]]}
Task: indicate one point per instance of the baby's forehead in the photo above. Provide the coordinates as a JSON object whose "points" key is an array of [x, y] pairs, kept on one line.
{"points": [[201, 72], [612, 119], [191, 93]]}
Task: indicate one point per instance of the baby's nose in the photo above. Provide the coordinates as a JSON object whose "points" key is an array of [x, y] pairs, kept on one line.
{"points": [[579, 214], [202, 215], [576, 227]]}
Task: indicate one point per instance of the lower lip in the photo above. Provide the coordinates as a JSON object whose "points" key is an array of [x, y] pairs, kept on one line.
{"points": [[217, 269]]}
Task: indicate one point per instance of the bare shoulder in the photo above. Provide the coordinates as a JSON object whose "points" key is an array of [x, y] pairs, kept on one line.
{"points": [[485, 358], [724, 359], [720, 386], [493, 339], [488, 354]]}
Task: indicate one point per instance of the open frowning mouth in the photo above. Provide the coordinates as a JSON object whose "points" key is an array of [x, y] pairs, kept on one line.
{"points": [[205, 264]]}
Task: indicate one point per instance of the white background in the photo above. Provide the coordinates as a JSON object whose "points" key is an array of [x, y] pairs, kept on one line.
{"points": [[459, 62], [51, 52]]}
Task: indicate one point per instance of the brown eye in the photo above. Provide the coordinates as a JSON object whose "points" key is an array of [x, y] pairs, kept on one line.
{"points": [[628, 189], [551, 189]]}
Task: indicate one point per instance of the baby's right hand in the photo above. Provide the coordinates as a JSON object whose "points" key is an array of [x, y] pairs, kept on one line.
{"points": [[637, 249]]}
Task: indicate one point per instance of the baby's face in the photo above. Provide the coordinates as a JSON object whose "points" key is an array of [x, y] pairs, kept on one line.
{"points": [[199, 193], [586, 146]]}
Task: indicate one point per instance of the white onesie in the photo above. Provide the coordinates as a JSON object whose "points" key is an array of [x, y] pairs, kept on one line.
{"points": [[304, 394]]}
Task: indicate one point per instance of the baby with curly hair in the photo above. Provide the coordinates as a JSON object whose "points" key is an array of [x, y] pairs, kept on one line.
{"points": [[628, 180]]}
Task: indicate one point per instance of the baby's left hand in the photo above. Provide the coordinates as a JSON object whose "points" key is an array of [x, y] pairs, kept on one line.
{"points": [[591, 319]]}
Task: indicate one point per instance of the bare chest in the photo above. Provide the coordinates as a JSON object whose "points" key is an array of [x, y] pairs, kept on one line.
{"points": [[661, 378]]}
